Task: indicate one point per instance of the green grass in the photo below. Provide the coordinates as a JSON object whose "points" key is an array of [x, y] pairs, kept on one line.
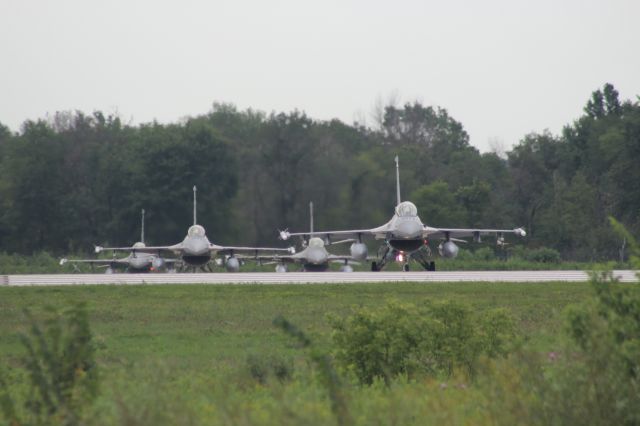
{"points": [[225, 321], [183, 349]]}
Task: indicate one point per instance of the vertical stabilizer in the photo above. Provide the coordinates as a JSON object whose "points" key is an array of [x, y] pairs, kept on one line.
{"points": [[142, 229], [398, 181], [311, 218], [195, 221]]}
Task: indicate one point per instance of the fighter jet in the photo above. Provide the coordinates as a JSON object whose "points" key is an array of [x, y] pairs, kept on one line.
{"points": [[139, 260], [406, 237], [196, 250], [314, 257]]}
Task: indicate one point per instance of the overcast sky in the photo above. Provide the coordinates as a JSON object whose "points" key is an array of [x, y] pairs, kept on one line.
{"points": [[501, 68]]}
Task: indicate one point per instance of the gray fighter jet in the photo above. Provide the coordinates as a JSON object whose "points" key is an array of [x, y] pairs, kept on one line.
{"points": [[141, 259], [196, 250], [406, 237], [314, 257]]}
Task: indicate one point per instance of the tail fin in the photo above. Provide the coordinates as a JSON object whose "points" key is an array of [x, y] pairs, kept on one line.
{"points": [[311, 218], [142, 228], [195, 222], [398, 181]]}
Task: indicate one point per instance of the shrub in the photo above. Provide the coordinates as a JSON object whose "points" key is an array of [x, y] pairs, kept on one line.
{"points": [[435, 339], [484, 253], [38, 263], [543, 255], [597, 381], [606, 331], [61, 369]]}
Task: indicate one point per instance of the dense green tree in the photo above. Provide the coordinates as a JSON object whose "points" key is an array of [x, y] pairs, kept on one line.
{"points": [[438, 206], [173, 159], [31, 169], [532, 164], [77, 179], [475, 200], [568, 222]]}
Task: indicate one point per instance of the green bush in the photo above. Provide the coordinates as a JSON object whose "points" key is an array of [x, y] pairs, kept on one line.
{"points": [[484, 253], [596, 378], [543, 255], [39, 263], [435, 339], [607, 332], [61, 368]]}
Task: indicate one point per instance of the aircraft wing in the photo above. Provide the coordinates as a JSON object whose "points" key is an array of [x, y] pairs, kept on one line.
{"points": [[469, 232], [378, 232], [282, 258], [146, 249], [233, 249], [96, 261]]}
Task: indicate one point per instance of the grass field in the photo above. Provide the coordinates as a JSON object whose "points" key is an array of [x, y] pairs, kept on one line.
{"points": [[183, 354]]}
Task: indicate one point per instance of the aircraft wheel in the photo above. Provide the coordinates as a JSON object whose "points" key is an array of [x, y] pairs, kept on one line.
{"points": [[432, 266], [374, 267], [405, 267]]}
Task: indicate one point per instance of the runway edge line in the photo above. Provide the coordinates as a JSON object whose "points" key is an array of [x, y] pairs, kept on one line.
{"points": [[304, 278]]}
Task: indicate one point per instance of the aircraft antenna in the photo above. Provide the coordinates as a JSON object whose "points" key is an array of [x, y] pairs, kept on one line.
{"points": [[142, 231], [311, 217], [398, 180], [195, 222]]}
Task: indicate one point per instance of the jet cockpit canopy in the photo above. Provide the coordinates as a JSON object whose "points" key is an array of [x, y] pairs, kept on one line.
{"points": [[406, 209], [316, 242], [196, 231]]}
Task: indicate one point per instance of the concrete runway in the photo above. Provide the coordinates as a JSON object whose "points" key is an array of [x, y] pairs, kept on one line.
{"points": [[303, 278]]}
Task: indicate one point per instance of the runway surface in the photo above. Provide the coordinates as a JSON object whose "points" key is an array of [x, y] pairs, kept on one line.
{"points": [[303, 278]]}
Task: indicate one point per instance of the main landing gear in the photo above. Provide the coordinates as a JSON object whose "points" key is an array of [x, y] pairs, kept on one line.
{"points": [[384, 254], [423, 257]]}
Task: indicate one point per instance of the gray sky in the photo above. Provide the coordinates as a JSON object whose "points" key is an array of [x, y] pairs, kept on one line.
{"points": [[502, 68]]}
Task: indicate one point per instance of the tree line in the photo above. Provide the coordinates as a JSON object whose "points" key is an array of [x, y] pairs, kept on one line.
{"points": [[75, 179]]}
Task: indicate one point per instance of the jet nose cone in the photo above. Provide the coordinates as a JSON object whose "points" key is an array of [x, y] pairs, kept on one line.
{"points": [[316, 257], [408, 229]]}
